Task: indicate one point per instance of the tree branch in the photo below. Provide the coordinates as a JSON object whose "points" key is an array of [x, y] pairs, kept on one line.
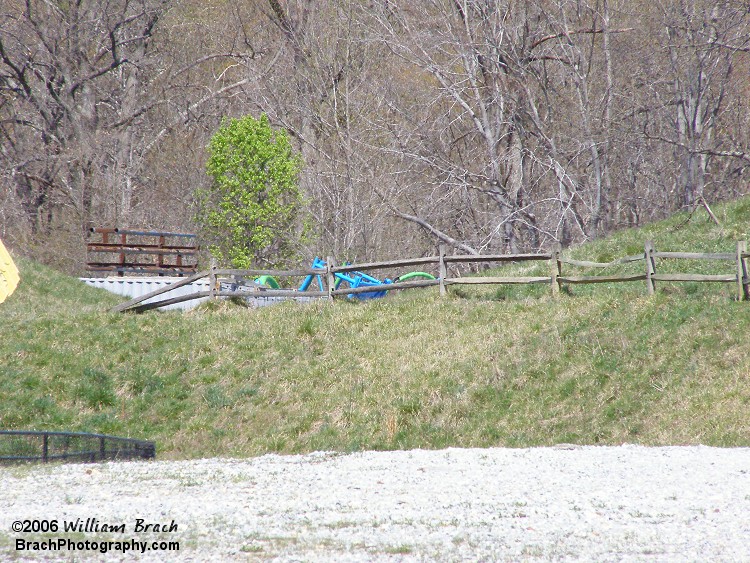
{"points": [[711, 152], [424, 224], [576, 32], [438, 233]]}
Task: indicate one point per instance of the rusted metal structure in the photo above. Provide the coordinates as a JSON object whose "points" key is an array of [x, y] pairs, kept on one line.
{"points": [[17, 446], [122, 251]]}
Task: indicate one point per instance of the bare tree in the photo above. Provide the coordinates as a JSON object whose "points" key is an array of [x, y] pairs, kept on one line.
{"points": [[512, 113], [71, 78], [703, 39], [486, 124]]}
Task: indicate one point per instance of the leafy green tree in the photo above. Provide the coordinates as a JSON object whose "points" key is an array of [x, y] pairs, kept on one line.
{"points": [[251, 212]]}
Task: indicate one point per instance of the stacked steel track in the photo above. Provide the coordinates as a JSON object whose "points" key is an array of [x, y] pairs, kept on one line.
{"points": [[123, 252]]}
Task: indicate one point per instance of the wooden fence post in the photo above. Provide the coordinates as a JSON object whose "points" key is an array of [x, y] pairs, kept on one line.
{"points": [[330, 278], [742, 287], [212, 280], [650, 266], [442, 270], [555, 271]]}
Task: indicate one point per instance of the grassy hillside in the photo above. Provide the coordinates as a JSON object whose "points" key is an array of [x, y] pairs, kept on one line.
{"points": [[485, 367]]}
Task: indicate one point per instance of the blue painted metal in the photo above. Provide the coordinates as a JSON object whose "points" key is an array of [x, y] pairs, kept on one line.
{"points": [[354, 279]]}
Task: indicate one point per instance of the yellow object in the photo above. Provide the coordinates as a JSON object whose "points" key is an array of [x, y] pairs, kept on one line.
{"points": [[8, 274]]}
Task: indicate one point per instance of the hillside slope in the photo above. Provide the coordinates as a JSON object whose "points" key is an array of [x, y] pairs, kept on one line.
{"points": [[603, 364]]}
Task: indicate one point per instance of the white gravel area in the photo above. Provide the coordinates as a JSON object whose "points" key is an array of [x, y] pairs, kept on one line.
{"points": [[627, 503]]}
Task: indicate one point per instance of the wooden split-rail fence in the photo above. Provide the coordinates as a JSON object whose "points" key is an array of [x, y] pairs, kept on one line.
{"points": [[555, 279]]}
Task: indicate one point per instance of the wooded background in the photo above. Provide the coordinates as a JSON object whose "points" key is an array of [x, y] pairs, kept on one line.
{"points": [[492, 126]]}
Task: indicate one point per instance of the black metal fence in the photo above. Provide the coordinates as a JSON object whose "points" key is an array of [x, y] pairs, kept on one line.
{"points": [[17, 446]]}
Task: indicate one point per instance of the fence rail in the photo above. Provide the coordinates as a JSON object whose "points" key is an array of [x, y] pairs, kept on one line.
{"points": [[45, 446], [555, 279], [587, 264]]}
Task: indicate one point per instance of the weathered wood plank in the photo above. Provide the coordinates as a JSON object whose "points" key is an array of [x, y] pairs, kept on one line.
{"points": [[128, 304], [650, 267], [279, 273], [555, 268], [602, 279], [199, 294], [384, 287], [291, 293], [743, 264], [497, 257], [696, 255], [213, 283], [330, 278], [442, 270], [741, 247], [695, 277], [498, 280], [587, 264], [384, 265], [174, 300]]}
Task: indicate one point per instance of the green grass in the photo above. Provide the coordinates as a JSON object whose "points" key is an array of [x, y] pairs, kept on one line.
{"points": [[508, 366]]}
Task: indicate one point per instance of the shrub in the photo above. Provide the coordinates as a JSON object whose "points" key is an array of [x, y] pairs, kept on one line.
{"points": [[250, 214]]}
